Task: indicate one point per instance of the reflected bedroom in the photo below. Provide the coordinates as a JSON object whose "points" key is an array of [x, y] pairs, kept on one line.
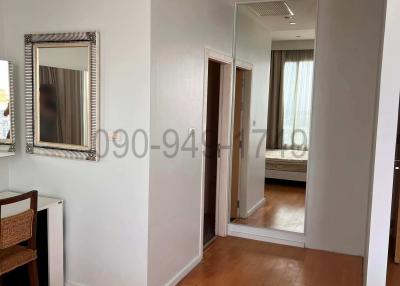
{"points": [[289, 60]]}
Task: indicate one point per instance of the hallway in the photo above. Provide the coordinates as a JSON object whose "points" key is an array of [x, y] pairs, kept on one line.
{"points": [[239, 262]]}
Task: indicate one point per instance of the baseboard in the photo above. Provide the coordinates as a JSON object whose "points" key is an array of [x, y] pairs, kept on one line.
{"points": [[174, 281], [267, 235], [71, 283], [255, 207], [185, 271]]}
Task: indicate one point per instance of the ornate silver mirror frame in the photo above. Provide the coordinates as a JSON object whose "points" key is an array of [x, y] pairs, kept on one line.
{"points": [[32, 41], [8, 145]]}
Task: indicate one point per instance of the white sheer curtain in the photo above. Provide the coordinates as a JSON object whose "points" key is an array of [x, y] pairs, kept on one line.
{"points": [[297, 94]]}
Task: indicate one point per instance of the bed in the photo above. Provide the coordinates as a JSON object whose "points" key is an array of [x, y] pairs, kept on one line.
{"points": [[288, 165]]}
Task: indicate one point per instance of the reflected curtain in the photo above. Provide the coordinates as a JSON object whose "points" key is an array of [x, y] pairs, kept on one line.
{"points": [[69, 86], [289, 114], [275, 103]]}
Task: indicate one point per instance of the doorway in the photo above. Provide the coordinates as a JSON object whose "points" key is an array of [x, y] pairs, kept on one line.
{"points": [[393, 271], [212, 150], [217, 90], [268, 192], [239, 145]]}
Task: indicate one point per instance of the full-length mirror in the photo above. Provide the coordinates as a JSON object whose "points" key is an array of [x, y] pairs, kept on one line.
{"points": [[274, 58], [7, 131], [64, 96]]}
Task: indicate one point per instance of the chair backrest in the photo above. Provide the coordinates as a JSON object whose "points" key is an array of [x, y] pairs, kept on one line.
{"points": [[20, 227]]}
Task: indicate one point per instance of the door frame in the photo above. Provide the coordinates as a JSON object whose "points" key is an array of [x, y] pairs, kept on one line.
{"points": [[246, 125], [270, 235], [223, 177], [249, 232]]}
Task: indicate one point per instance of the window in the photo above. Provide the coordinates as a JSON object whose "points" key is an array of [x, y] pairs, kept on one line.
{"points": [[297, 95]]}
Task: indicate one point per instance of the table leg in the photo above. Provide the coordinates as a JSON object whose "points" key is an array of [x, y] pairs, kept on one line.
{"points": [[55, 236]]}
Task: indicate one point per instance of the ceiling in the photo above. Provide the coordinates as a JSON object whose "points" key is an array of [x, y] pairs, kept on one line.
{"points": [[304, 16]]}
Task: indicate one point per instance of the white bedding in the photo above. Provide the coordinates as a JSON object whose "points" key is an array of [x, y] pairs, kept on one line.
{"points": [[286, 164], [287, 155]]}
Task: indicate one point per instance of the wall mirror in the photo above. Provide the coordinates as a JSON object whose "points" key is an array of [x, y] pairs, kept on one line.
{"points": [[274, 56], [62, 95], [7, 125]]}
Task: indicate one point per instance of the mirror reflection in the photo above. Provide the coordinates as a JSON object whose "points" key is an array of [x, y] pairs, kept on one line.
{"points": [[274, 82], [5, 112], [62, 96]]}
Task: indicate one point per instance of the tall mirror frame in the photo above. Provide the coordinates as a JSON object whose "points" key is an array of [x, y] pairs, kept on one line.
{"points": [[33, 42], [8, 145], [259, 221]]}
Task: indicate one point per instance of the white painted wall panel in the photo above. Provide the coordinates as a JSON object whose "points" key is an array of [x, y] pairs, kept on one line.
{"points": [[3, 174], [106, 203], [347, 65], [293, 45], [347, 70], [253, 45], [181, 30], [386, 127], [1, 30], [180, 34]]}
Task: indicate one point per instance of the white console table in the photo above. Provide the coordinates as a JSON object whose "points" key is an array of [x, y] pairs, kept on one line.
{"points": [[55, 231]]}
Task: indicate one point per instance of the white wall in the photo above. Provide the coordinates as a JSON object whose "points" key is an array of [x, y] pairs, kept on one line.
{"points": [[293, 45], [179, 37], [1, 31], [253, 45], [3, 174], [180, 32], [106, 203], [347, 64], [386, 127], [76, 58], [346, 75]]}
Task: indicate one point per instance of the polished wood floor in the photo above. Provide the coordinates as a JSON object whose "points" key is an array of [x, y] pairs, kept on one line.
{"points": [[240, 262], [393, 277], [284, 208]]}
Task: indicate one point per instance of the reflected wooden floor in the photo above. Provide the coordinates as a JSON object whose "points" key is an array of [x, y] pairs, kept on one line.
{"points": [[240, 262], [393, 277], [284, 208]]}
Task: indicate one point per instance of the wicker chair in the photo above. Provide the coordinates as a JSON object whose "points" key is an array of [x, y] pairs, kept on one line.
{"points": [[15, 230]]}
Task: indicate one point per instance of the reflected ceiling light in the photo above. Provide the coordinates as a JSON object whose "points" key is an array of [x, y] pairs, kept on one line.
{"points": [[292, 23], [271, 8]]}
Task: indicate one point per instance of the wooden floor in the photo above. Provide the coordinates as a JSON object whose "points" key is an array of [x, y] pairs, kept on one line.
{"points": [[240, 262], [393, 277], [284, 209]]}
